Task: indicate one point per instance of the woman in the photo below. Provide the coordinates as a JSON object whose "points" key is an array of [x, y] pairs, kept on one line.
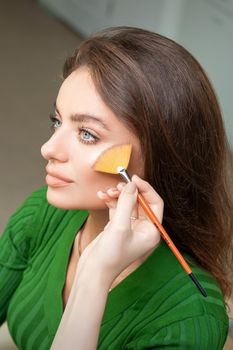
{"points": [[82, 267]]}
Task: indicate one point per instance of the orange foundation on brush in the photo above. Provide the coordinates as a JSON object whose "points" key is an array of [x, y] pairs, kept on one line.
{"points": [[115, 160]]}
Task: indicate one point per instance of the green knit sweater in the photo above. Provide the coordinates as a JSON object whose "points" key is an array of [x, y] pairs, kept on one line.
{"points": [[156, 307]]}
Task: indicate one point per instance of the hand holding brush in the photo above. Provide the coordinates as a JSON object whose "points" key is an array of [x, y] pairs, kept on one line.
{"points": [[115, 161]]}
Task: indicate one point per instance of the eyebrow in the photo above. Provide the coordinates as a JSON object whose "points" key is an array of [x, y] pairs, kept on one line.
{"points": [[84, 117]]}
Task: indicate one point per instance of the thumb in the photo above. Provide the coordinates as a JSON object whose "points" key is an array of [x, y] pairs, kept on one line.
{"points": [[125, 205]]}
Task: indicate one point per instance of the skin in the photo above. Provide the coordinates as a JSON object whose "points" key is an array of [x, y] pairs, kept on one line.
{"points": [[69, 156], [121, 243], [112, 243]]}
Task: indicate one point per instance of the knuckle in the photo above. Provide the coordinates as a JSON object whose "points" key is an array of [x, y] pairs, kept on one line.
{"points": [[147, 185], [153, 240], [161, 201], [158, 198], [153, 236]]}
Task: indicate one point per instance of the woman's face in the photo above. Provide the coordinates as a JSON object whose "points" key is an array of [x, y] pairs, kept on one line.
{"points": [[79, 140]]}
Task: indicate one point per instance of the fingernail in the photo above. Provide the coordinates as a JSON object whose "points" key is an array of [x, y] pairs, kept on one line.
{"points": [[114, 190], [100, 193], [121, 185], [130, 187]]}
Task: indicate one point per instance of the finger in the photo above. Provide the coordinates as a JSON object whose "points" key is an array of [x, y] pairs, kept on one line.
{"points": [[102, 195], [113, 192], [110, 201], [151, 196], [125, 205], [146, 190], [121, 185], [109, 194], [134, 213]]}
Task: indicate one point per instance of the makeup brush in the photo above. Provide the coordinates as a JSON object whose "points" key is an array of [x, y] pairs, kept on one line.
{"points": [[115, 160], [108, 161]]}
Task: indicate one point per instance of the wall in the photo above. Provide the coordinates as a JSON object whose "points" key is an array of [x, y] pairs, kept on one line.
{"points": [[205, 27]]}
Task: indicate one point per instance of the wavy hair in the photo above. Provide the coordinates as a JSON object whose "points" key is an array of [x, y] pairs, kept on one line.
{"points": [[160, 91]]}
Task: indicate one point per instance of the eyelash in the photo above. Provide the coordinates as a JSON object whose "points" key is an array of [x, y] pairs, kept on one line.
{"points": [[81, 129]]}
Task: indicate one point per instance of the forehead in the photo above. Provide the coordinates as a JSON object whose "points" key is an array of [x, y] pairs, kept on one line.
{"points": [[79, 86], [78, 95]]}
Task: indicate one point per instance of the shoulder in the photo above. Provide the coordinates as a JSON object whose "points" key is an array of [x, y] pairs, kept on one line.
{"points": [[174, 297], [16, 237], [201, 332], [26, 212], [175, 313], [36, 220], [35, 211], [48, 220]]}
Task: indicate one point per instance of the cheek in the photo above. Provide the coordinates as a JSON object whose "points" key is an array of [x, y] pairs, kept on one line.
{"points": [[95, 181], [92, 182], [83, 193], [90, 179]]}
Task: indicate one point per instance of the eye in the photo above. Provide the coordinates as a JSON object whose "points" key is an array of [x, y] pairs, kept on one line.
{"points": [[55, 122], [85, 136]]}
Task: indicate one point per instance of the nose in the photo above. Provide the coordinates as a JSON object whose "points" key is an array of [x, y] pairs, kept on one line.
{"points": [[55, 148]]}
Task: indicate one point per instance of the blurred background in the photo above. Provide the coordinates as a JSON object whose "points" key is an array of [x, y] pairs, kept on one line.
{"points": [[35, 39]]}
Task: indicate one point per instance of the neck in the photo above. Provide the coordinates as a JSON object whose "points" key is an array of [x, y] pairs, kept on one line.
{"points": [[95, 224]]}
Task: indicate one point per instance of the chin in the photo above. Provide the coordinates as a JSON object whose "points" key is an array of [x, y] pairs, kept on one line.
{"points": [[65, 202]]}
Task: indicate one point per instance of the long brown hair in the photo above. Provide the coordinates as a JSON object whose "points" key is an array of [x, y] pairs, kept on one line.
{"points": [[161, 92]]}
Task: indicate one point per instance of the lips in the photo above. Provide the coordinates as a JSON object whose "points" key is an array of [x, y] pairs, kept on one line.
{"points": [[56, 180]]}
